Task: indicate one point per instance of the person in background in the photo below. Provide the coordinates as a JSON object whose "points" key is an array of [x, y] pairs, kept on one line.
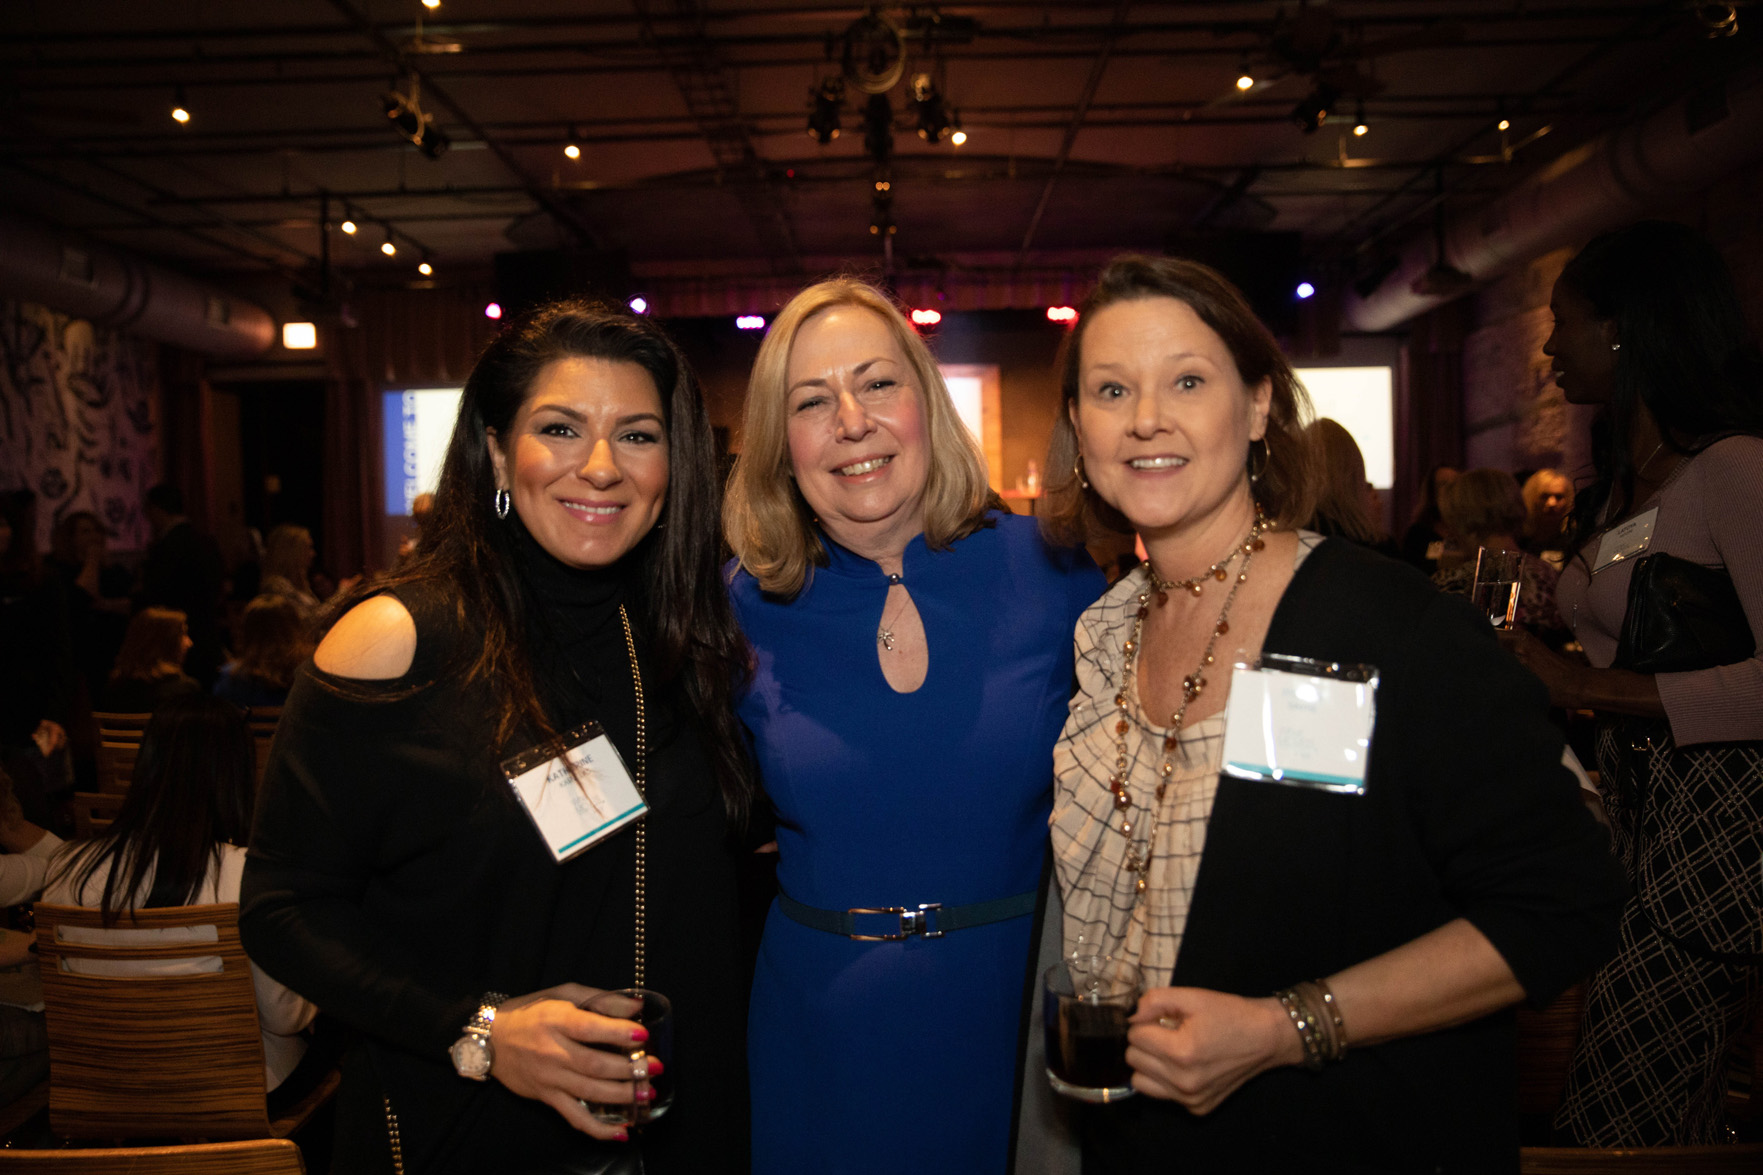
{"points": [[1649, 327], [1424, 540], [1548, 504], [913, 653], [26, 851], [94, 595], [183, 571], [178, 840], [421, 507], [1483, 509], [40, 687], [1327, 969], [273, 642], [150, 666], [288, 553], [1346, 505]]}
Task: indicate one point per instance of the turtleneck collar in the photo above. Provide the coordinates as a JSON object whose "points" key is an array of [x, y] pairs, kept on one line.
{"points": [[570, 600]]}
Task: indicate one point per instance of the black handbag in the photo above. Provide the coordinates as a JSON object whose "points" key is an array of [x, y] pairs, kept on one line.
{"points": [[1682, 616]]}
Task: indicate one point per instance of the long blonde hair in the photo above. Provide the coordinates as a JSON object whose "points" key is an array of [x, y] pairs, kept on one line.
{"points": [[767, 522]]}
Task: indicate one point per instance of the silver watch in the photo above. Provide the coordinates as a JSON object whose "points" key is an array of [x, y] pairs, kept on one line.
{"points": [[472, 1054]]}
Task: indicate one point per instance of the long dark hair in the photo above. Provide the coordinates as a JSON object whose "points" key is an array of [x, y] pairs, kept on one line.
{"points": [[1685, 352], [192, 792], [695, 644]]}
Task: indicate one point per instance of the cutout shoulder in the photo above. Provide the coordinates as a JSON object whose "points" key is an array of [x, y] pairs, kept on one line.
{"points": [[374, 641]]}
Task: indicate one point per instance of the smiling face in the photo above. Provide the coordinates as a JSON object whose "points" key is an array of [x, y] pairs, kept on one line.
{"points": [[1580, 348], [859, 448], [1163, 420], [585, 459]]}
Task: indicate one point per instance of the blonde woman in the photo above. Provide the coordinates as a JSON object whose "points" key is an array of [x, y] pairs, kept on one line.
{"points": [[912, 659], [287, 559]]}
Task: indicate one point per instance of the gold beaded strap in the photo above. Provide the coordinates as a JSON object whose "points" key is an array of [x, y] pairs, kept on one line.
{"points": [[630, 645]]}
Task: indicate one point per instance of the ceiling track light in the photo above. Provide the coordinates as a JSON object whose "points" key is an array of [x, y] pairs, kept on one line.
{"points": [[826, 103], [403, 109], [1312, 111], [426, 269], [387, 246], [349, 227], [570, 149], [1360, 126], [180, 111], [934, 123]]}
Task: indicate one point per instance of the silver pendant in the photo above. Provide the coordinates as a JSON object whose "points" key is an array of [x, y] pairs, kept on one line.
{"points": [[885, 638]]}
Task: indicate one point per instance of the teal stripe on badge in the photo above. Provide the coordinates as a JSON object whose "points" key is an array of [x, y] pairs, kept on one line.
{"points": [[595, 832], [1267, 772]]}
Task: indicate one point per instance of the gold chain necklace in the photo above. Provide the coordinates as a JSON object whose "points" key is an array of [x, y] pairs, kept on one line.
{"points": [[642, 791], [1192, 686]]}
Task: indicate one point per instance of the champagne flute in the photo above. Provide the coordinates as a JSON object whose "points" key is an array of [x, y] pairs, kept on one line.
{"points": [[1497, 580]]}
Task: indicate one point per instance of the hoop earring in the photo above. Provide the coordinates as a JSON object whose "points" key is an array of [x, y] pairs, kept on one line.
{"points": [[502, 502], [1266, 456], [1077, 471]]}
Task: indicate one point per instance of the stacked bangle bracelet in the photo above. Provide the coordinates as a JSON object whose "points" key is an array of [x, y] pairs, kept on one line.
{"points": [[1316, 1015]]}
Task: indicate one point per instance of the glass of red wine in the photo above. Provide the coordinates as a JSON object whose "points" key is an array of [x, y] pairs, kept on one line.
{"points": [[1088, 1001]]}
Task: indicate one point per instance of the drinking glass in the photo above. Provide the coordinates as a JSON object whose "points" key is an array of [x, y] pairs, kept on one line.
{"points": [[1497, 580], [653, 1012], [1088, 1001]]}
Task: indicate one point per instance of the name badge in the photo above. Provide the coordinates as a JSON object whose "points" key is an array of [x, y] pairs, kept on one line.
{"points": [[576, 790], [1300, 722], [1626, 541]]}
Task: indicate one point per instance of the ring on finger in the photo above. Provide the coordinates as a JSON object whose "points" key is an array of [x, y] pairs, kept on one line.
{"points": [[640, 1067]]}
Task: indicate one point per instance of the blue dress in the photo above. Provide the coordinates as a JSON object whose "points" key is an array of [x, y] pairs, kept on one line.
{"points": [[900, 1056]]}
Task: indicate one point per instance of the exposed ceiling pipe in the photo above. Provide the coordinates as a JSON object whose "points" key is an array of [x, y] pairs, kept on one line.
{"points": [[102, 284], [1616, 178]]}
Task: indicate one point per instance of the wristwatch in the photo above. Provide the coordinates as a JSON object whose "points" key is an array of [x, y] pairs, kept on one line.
{"points": [[472, 1053]]}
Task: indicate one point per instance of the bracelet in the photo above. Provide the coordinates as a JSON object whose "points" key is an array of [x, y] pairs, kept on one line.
{"points": [[1293, 1003], [1333, 1008]]}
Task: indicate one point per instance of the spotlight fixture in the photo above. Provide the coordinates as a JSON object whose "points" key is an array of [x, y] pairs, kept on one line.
{"points": [[426, 269], [1305, 291], [958, 136], [926, 317], [1361, 129], [933, 117], [883, 185], [1310, 113], [881, 214], [348, 226], [1062, 314], [573, 151], [826, 104], [299, 336], [493, 310], [639, 305], [1360, 126], [403, 108], [750, 322], [389, 249], [431, 5], [1505, 124], [1718, 20], [180, 113], [1245, 83]]}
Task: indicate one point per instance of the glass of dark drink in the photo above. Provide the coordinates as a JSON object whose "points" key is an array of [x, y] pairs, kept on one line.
{"points": [[650, 1096], [1088, 1001]]}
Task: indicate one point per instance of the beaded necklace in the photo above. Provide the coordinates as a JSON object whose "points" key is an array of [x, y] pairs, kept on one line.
{"points": [[1192, 686]]}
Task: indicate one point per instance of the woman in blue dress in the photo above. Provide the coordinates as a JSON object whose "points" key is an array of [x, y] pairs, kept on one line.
{"points": [[912, 663]]}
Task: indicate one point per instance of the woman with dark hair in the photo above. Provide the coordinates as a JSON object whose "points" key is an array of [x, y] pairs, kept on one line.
{"points": [[272, 645], [179, 840], [1649, 327], [568, 577], [1483, 508], [150, 665], [912, 644], [1424, 540], [1323, 847]]}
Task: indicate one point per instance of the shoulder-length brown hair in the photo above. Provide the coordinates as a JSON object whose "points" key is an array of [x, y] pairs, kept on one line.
{"points": [[768, 524], [1285, 482], [153, 645]]}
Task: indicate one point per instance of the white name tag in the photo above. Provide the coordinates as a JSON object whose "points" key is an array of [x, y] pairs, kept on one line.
{"points": [[1626, 541], [1301, 722], [575, 810]]}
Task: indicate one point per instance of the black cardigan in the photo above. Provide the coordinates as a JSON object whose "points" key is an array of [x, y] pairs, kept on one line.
{"points": [[1467, 813]]}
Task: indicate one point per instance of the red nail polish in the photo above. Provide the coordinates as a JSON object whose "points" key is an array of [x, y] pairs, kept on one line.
{"points": [[622, 1136], [656, 1067], [639, 1035], [645, 1094]]}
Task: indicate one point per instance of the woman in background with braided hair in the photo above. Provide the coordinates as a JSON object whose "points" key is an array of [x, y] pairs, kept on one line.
{"points": [[1277, 923]]}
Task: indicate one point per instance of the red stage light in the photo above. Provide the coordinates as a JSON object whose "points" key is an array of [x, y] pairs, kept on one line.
{"points": [[1064, 314], [926, 317]]}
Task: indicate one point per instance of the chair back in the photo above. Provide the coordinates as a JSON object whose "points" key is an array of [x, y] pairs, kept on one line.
{"points": [[151, 1055], [93, 811], [1545, 1048], [265, 1156], [119, 745], [1652, 1160]]}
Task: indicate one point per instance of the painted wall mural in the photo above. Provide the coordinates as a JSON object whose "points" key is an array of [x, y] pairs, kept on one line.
{"points": [[78, 419]]}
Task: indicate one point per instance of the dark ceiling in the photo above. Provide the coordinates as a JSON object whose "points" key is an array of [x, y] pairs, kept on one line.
{"points": [[1091, 127]]}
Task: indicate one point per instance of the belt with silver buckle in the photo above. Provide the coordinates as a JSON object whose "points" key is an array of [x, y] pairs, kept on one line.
{"points": [[898, 923]]}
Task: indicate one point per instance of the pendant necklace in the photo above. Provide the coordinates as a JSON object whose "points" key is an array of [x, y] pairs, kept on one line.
{"points": [[1138, 859], [884, 636]]}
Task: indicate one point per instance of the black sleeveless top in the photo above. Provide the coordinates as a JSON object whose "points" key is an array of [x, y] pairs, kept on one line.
{"points": [[393, 879]]}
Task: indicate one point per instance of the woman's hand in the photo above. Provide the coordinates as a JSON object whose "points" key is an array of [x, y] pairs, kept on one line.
{"points": [[1557, 673], [1197, 1047], [541, 1044]]}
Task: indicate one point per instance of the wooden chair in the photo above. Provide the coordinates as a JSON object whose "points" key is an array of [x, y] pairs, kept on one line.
{"points": [[93, 811], [264, 1156], [263, 720], [1653, 1160], [157, 1056], [119, 745], [1545, 1047]]}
